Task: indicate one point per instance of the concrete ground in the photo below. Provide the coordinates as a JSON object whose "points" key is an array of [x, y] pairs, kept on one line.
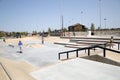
{"points": [[38, 58]]}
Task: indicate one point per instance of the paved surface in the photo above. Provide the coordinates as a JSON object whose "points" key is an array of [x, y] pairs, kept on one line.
{"points": [[42, 56], [16, 70], [75, 69], [79, 69], [3, 75]]}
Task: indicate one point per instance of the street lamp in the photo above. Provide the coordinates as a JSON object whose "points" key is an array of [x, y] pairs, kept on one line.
{"points": [[81, 16], [100, 12], [105, 23]]}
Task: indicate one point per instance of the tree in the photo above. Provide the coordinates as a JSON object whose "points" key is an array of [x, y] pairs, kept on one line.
{"points": [[39, 33], [24, 33], [92, 27], [64, 29], [2, 34], [13, 34], [34, 32], [49, 31]]}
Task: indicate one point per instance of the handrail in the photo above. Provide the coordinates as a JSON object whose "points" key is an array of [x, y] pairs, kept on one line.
{"points": [[5, 71], [90, 47], [79, 49], [108, 49]]}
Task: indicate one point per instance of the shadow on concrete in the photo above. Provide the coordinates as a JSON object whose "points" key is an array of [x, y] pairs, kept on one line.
{"points": [[101, 59]]}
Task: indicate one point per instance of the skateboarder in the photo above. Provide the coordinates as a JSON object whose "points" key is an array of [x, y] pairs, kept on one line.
{"points": [[20, 46], [111, 42]]}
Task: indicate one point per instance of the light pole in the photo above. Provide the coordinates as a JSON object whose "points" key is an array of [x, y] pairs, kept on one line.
{"points": [[81, 16], [62, 23], [105, 23], [61, 18], [100, 12]]}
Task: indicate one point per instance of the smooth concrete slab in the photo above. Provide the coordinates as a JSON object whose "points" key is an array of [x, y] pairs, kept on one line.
{"points": [[78, 69]]}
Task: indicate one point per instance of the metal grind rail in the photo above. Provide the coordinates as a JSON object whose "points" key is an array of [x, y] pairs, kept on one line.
{"points": [[5, 71], [87, 48]]}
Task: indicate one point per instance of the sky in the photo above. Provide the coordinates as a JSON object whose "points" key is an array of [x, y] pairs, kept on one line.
{"points": [[39, 15]]}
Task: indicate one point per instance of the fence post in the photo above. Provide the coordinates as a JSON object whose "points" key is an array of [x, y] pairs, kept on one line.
{"points": [[85, 50], [76, 53], [104, 52], [88, 51], [94, 49], [67, 55], [59, 56], [105, 45], [118, 46]]}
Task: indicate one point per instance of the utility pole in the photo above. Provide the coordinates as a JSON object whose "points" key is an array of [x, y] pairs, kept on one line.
{"points": [[81, 16], [100, 12], [61, 18], [62, 23], [105, 23]]}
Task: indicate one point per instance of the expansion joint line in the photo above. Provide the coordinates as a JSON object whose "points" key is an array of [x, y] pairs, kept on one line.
{"points": [[3, 67]]}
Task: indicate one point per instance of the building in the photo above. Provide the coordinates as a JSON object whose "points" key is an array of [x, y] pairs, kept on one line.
{"points": [[77, 27]]}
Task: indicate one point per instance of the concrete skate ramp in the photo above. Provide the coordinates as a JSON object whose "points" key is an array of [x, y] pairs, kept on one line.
{"points": [[78, 69], [102, 59]]}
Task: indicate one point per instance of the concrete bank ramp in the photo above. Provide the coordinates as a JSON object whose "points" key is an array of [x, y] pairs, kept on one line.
{"points": [[14, 70], [78, 69]]}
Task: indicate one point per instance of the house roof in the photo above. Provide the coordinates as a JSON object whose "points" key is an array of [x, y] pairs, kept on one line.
{"points": [[76, 24]]}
